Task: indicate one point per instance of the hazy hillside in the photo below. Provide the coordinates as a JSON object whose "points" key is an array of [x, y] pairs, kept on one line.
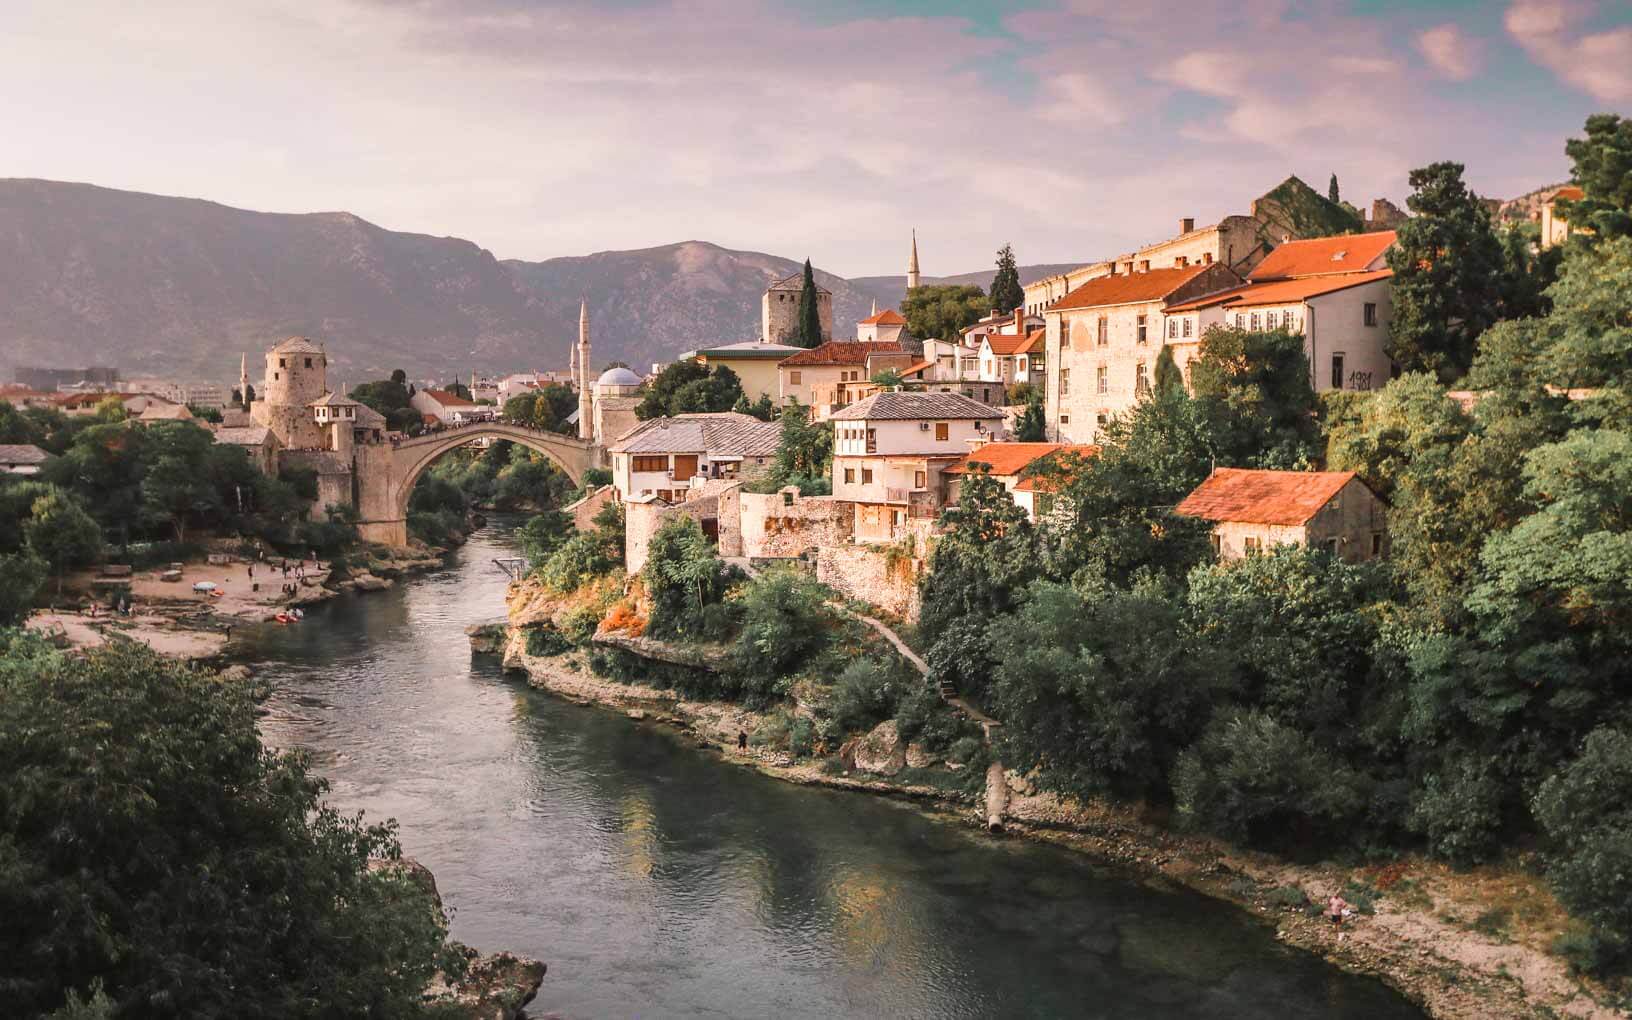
{"points": [[889, 289]]}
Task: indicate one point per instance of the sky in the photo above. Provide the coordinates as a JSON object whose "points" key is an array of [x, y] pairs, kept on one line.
{"points": [[831, 129]]}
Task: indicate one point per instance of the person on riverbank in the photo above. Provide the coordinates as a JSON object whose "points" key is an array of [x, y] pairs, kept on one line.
{"points": [[1337, 908], [742, 740]]}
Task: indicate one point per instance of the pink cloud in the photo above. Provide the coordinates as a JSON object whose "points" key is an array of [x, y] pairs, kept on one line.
{"points": [[1598, 63], [1450, 51]]}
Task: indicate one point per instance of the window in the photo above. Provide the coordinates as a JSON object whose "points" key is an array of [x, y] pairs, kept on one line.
{"points": [[1141, 381], [866, 476], [308, 362], [1065, 332], [1102, 377], [1337, 371], [1216, 543], [1102, 419], [943, 432], [282, 364], [1255, 322], [1376, 543], [1103, 337], [1187, 325], [1065, 419], [919, 479], [1139, 329], [1371, 313], [793, 377], [1172, 329], [1240, 320], [650, 463], [849, 476], [1252, 546], [1065, 381], [1272, 320], [1331, 546]]}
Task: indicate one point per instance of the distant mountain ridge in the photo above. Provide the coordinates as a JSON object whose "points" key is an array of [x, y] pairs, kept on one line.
{"points": [[181, 286]]}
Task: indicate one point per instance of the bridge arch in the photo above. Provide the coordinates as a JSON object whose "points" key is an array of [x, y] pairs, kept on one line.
{"points": [[385, 487]]}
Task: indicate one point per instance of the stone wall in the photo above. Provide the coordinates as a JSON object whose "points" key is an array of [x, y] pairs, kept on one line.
{"points": [[334, 478], [785, 524], [717, 502], [583, 512], [871, 574]]}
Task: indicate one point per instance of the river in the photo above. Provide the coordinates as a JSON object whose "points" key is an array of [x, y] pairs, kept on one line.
{"points": [[658, 882]]}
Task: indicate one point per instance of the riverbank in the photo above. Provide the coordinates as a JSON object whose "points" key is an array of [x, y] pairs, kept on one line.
{"points": [[1461, 945]]}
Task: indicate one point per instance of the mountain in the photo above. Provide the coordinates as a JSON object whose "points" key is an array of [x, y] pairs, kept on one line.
{"points": [[180, 286]]}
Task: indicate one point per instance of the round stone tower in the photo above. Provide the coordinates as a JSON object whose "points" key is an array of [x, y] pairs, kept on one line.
{"points": [[297, 373]]}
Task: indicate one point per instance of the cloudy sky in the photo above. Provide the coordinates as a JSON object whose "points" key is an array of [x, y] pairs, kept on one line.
{"points": [[1070, 127]]}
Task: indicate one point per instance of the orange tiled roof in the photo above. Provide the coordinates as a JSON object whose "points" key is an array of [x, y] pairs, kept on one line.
{"points": [[1012, 458], [841, 352], [1263, 497], [1282, 292], [915, 369], [447, 399], [1351, 253], [1569, 193], [1127, 288], [888, 317], [1011, 343]]}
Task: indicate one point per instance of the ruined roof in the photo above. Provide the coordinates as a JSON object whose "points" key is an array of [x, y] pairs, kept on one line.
{"points": [[726, 434], [897, 405], [242, 435], [21, 453], [888, 317], [1128, 288], [1013, 458], [796, 282], [1013, 343], [842, 352], [1283, 292], [1350, 253], [1263, 497], [296, 345]]}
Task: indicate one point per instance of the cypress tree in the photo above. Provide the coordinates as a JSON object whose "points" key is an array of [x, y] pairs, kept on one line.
{"points": [[1031, 427], [1167, 372], [809, 333], [1331, 190], [1006, 292]]}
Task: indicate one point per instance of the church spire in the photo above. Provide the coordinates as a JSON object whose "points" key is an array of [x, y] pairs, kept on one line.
{"points": [[912, 264], [586, 405]]}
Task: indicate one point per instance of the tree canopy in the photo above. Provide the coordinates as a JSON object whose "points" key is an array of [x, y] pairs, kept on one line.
{"points": [[1602, 166], [1006, 292], [809, 333], [688, 387], [942, 311]]}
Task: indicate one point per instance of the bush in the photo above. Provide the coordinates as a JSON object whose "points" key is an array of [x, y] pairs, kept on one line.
{"points": [[1586, 811], [1287, 897], [921, 717], [579, 560], [684, 577], [542, 641], [21, 577], [864, 695], [787, 730], [785, 625], [1460, 811]]}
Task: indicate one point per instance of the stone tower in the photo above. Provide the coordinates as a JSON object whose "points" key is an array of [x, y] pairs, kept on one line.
{"points": [[586, 398], [912, 264], [297, 373], [779, 309]]}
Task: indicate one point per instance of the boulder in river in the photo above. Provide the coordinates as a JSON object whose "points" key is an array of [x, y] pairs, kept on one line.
{"points": [[882, 751]]}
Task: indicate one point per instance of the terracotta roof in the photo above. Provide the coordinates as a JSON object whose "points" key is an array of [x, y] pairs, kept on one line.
{"points": [[1282, 292], [842, 352], [898, 405], [1351, 253], [21, 453], [1128, 288], [1012, 458], [724, 434], [1011, 343], [447, 399], [1263, 497], [1569, 193], [915, 369], [888, 317]]}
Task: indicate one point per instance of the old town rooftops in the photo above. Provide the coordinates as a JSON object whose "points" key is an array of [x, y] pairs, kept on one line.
{"points": [[1129, 288], [1243, 496], [1013, 343], [888, 317], [841, 352], [1282, 292], [1320, 256], [727, 433], [447, 399], [1006, 459], [893, 405]]}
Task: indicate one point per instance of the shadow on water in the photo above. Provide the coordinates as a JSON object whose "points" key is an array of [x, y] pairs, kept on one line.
{"points": [[658, 882]]}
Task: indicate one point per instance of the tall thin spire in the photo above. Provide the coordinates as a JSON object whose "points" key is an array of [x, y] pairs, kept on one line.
{"points": [[912, 263], [243, 380], [875, 306], [586, 402]]}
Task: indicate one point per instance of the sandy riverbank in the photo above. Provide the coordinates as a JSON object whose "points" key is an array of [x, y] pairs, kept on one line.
{"points": [[1421, 938]]}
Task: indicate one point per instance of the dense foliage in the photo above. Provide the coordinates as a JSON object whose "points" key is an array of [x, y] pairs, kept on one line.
{"points": [[150, 847], [687, 387], [809, 333], [546, 408], [941, 311], [390, 397]]}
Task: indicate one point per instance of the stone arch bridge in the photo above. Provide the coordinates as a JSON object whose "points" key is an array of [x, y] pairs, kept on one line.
{"points": [[386, 472]]}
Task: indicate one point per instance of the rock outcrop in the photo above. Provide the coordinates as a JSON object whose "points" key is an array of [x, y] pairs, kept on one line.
{"points": [[881, 752]]}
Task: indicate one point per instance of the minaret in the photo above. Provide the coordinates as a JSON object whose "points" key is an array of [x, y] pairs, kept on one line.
{"points": [[586, 402], [912, 264], [243, 381], [875, 307]]}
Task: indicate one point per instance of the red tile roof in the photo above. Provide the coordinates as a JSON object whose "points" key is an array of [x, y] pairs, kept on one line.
{"points": [[1569, 193], [915, 369], [1263, 497], [1351, 253], [841, 352], [1012, 458], [1128, 288], [888, 317], [1010, 343], [1282, 292], [447, 399]]}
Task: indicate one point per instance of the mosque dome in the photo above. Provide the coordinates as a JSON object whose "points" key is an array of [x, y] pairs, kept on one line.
{"points": [[619, 376]]}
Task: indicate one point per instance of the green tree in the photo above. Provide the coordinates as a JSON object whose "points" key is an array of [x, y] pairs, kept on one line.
{"points": [[243, 398], [62, 534], [1602, 166], [1586, 811], [1007, 294], [762, 408], [685, 578], [1331, 191], [1032, 427], [458, 389], [785, 621], [190, 871], [1254, 388], [809, 333], [804, 451], [1166, 375], [209, 414], [22, 574], [543, 534], [389, 397], [888, 378], [942, 311], [687, 387], [1447, 286]]}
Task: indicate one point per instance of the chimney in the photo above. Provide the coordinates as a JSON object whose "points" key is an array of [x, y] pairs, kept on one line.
{"points": [[1206, 258], [1187, 224], [1020, 321], [1180, 262], [1144, 265]]}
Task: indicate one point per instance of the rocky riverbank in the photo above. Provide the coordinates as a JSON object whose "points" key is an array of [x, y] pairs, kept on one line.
{"points": [[1437, 936]]}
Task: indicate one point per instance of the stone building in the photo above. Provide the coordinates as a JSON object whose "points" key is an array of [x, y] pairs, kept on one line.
{"points": [[1233, 242], [617, 394], [666, 458], [836, 373], [882, 327], [297, 373], [779, 309], [1253, 511]]}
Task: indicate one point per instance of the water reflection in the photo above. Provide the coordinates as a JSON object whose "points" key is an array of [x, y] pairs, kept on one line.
{"points": [[657, 882]]}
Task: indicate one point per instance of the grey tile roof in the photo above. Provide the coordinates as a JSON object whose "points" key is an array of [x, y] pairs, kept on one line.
{"points": [[242, 435], [297, 345], [893, 405], [727, 434], [24, 453], [796, 282]]}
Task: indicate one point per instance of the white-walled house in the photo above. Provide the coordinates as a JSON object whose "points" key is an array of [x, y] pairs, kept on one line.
{"points": [[889, 450], [882, 327], [665, 457], [445, 407]]}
